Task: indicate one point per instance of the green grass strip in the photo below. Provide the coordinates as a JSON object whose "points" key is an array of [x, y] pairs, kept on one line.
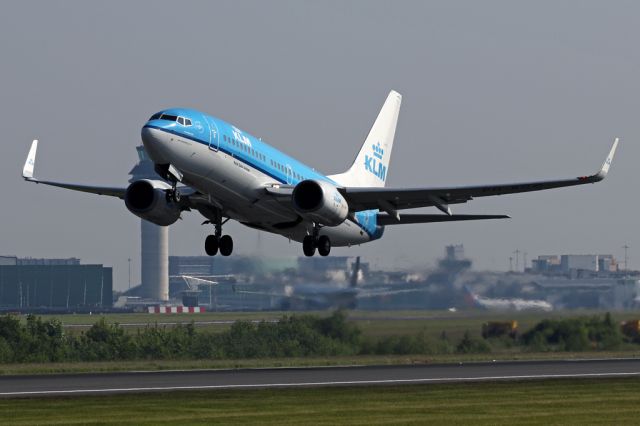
{"points": [[549, 402]]}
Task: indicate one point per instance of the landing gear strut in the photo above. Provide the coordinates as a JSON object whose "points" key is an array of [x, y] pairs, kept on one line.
{"points": [[218, 242], [312, 242], [173, 175], [173, 194]]}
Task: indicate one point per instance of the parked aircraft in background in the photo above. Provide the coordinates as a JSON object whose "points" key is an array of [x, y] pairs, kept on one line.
{"points": [[227, 174], [327, 295], [516, 304]]}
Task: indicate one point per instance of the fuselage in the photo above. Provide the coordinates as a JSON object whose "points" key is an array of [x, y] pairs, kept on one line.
{"points": [[234, 169]]}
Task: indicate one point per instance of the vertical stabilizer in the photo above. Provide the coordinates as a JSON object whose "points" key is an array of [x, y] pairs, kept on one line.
{"points": [[372, 163]]}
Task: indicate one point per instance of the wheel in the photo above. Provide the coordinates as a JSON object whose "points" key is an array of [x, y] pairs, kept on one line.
{"points": [[211, 245], [324, 245], [309, 246], [173, 196], [226, 245]]}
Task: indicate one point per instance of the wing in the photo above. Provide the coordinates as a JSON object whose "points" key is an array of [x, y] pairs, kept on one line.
{"points": [[386, 219], [27, 174], [391, 200]]}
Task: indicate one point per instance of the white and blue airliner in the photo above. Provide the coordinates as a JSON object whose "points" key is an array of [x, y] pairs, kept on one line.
{"points": [[211, 166]]}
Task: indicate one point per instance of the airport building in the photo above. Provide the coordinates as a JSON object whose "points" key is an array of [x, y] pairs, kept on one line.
{"points": [[575, 264], [54, 284]]}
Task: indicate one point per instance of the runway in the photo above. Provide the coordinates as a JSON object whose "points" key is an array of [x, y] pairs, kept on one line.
{"points": [[144, 381]]}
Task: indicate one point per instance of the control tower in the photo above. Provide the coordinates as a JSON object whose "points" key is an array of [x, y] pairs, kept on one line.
{"points": [[154, 242]]}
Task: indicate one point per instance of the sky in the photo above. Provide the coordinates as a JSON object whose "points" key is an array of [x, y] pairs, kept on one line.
{"points": [[493, 91]]}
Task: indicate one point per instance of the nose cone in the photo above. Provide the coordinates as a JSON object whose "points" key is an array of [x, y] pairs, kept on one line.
{"points": [[154, 142]]}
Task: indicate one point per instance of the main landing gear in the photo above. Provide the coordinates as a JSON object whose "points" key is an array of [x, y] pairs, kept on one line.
{"points": [[218, 242], [312, 242]]}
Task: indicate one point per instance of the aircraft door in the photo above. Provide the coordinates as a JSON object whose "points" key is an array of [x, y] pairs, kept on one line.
{"points": [[214, 135], [289, 174]]}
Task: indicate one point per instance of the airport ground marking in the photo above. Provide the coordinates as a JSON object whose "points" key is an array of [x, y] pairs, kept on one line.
{"points": [[317, 384]]}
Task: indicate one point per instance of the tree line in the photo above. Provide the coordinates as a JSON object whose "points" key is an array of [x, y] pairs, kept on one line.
{"points": [[38, 340]]}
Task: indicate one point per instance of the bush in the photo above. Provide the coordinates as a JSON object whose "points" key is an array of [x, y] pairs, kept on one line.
{"points": [[574, 334], [104, 342], [35, 340], [470, 345]]}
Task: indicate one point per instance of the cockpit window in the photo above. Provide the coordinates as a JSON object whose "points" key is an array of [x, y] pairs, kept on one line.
{"points": [[169, 117]]}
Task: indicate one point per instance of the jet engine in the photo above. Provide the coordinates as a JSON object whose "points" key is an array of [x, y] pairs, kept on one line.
{"points": [[320, 202], [148, 200]]}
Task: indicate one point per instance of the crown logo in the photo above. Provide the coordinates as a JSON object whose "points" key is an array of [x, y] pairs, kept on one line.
{"points": [[378, 152]]}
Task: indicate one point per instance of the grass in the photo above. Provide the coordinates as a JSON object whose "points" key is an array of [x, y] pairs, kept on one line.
{"points": [[372, 323], [580, 402]]}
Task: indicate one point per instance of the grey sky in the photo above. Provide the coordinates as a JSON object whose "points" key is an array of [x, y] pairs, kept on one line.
{"points": [[493, 92]]}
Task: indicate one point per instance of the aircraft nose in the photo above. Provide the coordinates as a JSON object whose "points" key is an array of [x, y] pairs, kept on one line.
{"points": [[153, 142]]}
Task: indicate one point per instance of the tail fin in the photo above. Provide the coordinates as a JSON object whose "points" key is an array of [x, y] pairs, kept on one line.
{"points": [[372, 163]]}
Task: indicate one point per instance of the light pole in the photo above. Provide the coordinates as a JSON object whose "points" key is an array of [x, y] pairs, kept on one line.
{"points": [[129, 260], [626, 257], [517, 253]]}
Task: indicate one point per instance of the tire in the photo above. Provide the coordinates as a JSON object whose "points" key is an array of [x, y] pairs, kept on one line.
{"points": [[226, 245], [211, 245], [309, 246], [176, 196], [324, 245]]}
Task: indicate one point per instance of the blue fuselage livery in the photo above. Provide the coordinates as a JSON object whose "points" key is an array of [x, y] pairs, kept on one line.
{"points": [[211, 166]]}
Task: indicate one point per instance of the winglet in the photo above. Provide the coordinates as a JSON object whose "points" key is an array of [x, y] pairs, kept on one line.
{"points": [[27, 171], [607, 163]]}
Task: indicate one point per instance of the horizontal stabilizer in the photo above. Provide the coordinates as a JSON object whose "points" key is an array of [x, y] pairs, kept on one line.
{"points": [[385, 219]]}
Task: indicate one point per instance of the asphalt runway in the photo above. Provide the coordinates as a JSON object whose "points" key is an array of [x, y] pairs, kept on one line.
{"points": [[132, 382]]}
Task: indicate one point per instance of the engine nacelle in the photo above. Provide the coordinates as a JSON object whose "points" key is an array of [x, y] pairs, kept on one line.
{"points": [[320, 202], [147, 199]]}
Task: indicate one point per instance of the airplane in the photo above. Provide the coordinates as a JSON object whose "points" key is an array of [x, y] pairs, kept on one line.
{"points": [[313, 296], [516, 304], [211, 166]]}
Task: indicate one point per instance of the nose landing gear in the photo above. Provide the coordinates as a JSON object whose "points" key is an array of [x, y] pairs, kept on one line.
{"points": [[173, 175], [173, 194]]}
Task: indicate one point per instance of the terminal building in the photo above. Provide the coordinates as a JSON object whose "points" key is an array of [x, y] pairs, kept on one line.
{"points": [[54, 285], [573, 265]]}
